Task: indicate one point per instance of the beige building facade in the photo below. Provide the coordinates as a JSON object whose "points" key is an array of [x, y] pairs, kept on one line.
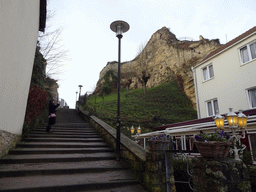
{"points": [[226, 77]]}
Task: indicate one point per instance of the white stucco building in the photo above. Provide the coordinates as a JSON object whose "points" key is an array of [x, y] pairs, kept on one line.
{"points": [[20, 21], [226, 77]]}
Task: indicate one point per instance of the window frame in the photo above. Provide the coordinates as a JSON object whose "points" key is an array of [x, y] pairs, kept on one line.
{"points": [[249, 52], [249, 97], [253, 154], [209, 77], [214, 111]]}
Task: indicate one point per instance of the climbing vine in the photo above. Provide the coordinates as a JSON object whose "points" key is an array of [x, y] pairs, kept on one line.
{"points": [[110, 83], [38, 74], [36, 104]]}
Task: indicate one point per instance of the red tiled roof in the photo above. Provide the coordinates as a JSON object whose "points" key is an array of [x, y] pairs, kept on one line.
{"points": [[228, 44]]}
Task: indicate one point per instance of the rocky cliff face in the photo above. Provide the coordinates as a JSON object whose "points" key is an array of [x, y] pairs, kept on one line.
{"points": [[164, 58], [52, 86]]}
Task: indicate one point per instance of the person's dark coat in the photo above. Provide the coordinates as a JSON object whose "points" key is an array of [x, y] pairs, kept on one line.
{"points": [[52, 110]]}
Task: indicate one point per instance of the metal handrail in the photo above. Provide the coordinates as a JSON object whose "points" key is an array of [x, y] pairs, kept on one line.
{"points": [[168, 164]]}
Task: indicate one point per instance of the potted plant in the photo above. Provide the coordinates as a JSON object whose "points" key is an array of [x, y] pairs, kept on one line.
{"points": [[158, 143], [213, 144]]}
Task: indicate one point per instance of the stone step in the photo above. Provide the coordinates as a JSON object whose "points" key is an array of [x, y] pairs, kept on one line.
{"points": [[56, 135], [55, 130], [71, 182], [70, 126], [74, 125], [129, 188], [66, 127], [61, 144], [28, 169], [51, 158], [66, 139], [65, 130], [60, 133], [24, 151]]}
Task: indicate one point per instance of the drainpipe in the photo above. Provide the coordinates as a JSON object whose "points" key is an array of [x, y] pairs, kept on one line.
{"points": [[196, 91]]}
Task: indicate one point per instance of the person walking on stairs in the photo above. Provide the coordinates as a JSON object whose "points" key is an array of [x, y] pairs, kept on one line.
{"points": [[52, 114]]}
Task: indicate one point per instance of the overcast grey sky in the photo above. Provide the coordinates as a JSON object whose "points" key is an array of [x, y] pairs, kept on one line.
{"points": [[91, 43]]}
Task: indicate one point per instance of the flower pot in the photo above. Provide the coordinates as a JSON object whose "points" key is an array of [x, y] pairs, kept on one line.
{"points": [[158, 145], [213, 148]]}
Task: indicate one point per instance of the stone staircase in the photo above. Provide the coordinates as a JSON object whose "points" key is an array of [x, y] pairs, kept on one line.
{"points": [[72, 158]]}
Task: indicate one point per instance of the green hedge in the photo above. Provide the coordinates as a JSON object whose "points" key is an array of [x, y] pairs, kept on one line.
{"points": [[252, 175]]}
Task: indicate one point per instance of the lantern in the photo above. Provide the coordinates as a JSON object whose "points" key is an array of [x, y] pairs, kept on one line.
{"points": [[139, 130], [219, 121], [132, 130], [242, 120], [232, 118]]}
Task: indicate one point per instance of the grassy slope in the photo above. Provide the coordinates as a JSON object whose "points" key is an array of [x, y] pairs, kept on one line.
{"points": [[164, 104]]}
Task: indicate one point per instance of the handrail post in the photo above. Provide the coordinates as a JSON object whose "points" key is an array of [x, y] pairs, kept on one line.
{"points": [[170, 183]]}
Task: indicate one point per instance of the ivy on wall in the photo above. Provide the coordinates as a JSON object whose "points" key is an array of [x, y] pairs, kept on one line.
{"points": [[37, 103], [38, 74], [110, 83], [36, 106]]}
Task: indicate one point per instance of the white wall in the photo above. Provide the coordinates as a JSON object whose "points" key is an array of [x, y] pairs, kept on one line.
{"points": [[231, 79], [19, 23]]}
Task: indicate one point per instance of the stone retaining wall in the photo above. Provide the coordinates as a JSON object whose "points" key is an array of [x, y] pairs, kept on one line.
{"points": [[220, 174], [148, 166], [7, 141]]}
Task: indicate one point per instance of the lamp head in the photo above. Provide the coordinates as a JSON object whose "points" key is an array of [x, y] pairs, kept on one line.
{"points": [[139, 130], [219, 121], [119, 27], [232, 118], [132, 129], [242, 120]]}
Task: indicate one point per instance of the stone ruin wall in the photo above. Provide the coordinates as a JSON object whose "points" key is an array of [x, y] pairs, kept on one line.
{"points": [[7, 141], [53, 89], [167, 59]]}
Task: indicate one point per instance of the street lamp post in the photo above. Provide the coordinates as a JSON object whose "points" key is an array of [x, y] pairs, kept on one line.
{"points": [[119, 27], [76, 100], [80, 86]]}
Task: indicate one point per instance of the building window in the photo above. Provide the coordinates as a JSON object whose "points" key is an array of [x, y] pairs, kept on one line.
{"points": [[248, 53], [253, 50], [208, 72], [252, 142], [252, 97], [212, 107]]}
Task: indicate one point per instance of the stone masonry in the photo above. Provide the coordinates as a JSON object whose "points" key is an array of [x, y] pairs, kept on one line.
{"points": [[7, 141]]}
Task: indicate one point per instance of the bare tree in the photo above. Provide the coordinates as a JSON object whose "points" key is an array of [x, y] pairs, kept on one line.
{"points": [[93, 92], [143, 73], [52, 49], [128, 75]]}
